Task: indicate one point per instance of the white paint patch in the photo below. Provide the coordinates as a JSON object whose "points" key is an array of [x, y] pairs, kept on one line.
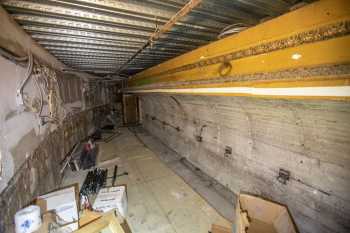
{"points": [[18, 126], [178, 195], [338, 91], [7, 163]]}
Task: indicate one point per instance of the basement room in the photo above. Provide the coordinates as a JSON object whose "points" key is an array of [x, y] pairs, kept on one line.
{"points": [[174, 116]]}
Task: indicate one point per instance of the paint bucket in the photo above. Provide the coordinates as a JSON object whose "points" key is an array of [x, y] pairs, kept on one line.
{"points": [[28, 220]]}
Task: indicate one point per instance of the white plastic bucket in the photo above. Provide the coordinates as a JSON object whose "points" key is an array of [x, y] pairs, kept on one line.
{"points": [[28, 220]]}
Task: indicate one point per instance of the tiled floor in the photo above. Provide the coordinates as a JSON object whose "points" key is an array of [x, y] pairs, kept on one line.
{"points": [[159, 201]]}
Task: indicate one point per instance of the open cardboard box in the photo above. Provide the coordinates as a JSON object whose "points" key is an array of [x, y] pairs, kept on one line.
{"points": [[256, 215], [64, 202]]}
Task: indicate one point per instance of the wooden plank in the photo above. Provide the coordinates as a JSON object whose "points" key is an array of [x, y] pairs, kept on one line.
{"points": [[220, 229], [108, 221]]}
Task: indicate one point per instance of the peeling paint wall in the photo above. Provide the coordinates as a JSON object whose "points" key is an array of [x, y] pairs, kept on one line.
{"points": [[21, 129], [18, 128], [31, 151], [40, 171], [310, 139]]}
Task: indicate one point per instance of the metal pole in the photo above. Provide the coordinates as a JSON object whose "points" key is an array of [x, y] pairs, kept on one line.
{"points": [[166, 27]]}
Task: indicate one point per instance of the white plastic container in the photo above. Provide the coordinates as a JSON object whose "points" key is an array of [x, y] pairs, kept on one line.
{"points": [[28, 220]]}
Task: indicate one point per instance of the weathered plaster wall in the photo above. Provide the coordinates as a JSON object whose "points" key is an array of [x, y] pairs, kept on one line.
{"points": [[311, 139], [40, 171], [32, 152], [21, 130], [17, 127]]}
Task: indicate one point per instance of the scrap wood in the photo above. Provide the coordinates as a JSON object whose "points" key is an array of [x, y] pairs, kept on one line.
{"points": [[88, 216], [220, 229], [107, 222], [245, 219], [47, 219]]}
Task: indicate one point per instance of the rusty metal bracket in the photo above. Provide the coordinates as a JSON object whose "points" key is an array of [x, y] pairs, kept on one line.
{"points": [[283, 176]]}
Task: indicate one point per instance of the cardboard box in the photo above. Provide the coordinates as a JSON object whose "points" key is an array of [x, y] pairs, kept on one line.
{"points": [[256, 215], [47, 218], [112, 198], [64, 202]]}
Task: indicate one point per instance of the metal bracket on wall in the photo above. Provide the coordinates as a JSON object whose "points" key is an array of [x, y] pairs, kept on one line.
{"points": [[228, 151], [283, 176], [199, 138]]}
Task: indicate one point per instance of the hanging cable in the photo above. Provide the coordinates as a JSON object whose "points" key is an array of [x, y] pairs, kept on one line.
{"points": [[48, 86], [232, 29], [40, 92], [26, 78], [12, 57]]}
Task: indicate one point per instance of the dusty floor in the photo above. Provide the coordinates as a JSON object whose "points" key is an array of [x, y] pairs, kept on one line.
{"points": [[159, 201]]}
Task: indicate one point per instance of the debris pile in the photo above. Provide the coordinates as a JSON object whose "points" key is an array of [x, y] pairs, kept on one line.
{"points": [[60, 211]]}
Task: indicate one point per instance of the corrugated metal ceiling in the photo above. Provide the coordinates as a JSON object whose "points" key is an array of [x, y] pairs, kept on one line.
{"points": [[99, 36]]}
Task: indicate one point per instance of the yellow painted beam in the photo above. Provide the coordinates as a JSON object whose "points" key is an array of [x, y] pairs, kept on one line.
{"points": [[317, 81], [325, 52], [317, 35], [312, 16]]}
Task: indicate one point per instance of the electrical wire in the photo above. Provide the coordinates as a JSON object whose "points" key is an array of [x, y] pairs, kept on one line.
{"points": [[12, 57], [232, 29], [45, 73], [41, 94], [48, 76], [27, 75]]}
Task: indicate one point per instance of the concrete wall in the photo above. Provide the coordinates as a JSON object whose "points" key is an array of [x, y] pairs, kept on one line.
{"points": [[311, 139], [31, 152], [21, 129], [40, 171]]}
